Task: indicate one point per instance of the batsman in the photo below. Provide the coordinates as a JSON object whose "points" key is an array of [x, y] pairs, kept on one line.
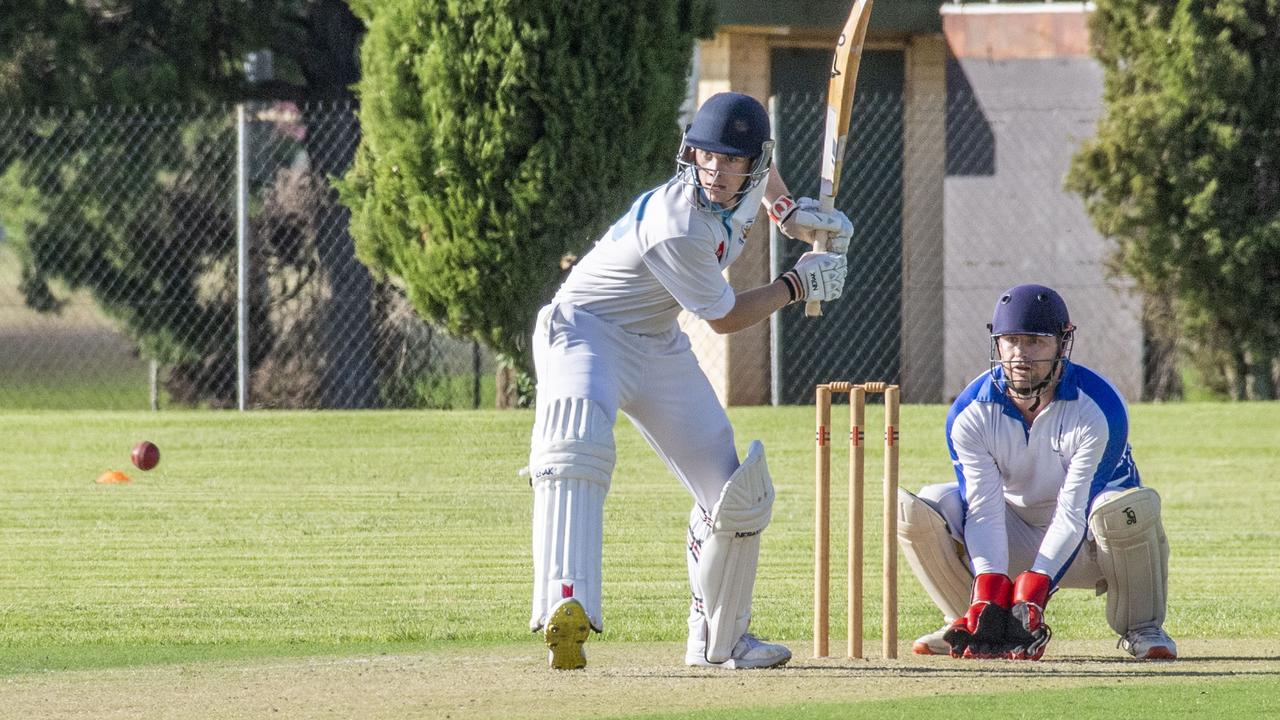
{"points": [[1047, 496], [609, 342]]}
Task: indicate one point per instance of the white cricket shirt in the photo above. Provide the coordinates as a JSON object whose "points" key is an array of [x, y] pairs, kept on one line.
{"points": [[1048, 473], [663, 255]]}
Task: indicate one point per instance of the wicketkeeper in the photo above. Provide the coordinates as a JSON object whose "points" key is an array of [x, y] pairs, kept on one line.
{"points": [[1047, 496], [609, 342]]}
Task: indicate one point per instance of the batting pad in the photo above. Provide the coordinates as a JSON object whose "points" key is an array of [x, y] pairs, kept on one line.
{"points": [[933, 555], [1133, 553], [570, 465], [729, 555]]}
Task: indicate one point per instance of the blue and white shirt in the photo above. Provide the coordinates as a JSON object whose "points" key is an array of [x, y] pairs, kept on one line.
{"points": [[664, 255], [1048, 473]]}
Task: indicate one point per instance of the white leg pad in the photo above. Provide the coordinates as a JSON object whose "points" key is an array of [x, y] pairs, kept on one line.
{"points": [[570, 465], [933, 554], [1133, 553], [726, 566]]}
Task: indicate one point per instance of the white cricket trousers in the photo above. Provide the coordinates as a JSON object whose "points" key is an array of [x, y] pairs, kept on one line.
{"points": [[1024, 539], [654, 380]]}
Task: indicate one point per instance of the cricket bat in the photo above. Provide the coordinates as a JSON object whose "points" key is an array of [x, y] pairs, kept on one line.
{"points": [[840, 91]]}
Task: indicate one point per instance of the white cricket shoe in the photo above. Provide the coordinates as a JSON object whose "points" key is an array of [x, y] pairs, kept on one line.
{"points": [[749, 652], [933, 643], [566, 630], [1149, 643]]}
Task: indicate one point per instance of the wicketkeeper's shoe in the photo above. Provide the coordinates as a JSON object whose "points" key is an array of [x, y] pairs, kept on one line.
{"points": [[1149, 643], [933, 643], [566, 630], [749, 652]]}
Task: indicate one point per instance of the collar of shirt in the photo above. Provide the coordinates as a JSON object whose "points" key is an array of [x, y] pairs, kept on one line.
{"points": [[992, 390]]}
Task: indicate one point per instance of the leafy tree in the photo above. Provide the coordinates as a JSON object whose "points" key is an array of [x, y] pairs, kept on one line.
{"points": [[1184, 173], [78, 56], [500, 135]]}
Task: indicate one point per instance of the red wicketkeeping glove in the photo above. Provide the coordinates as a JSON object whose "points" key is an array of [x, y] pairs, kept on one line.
{"points": [[982, 631], [1030, 634]]}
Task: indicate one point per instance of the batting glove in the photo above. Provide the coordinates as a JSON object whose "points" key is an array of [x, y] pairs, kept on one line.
{"points": [[817, 276], [806, 221]]}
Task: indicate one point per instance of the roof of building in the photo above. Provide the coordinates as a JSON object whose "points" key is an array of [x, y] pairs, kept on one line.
{"points": [[889, 16]]}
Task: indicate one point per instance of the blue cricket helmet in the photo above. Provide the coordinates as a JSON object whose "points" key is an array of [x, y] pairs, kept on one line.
{"points": [[730, 123], [1030, 310]]}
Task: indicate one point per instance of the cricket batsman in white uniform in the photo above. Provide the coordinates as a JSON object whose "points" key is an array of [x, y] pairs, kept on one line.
{"points": [[1047, 496], [609, 342]]}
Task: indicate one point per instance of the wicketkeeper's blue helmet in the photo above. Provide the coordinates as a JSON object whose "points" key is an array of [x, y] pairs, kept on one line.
{"points": [[732, 124], [1031, 310]]}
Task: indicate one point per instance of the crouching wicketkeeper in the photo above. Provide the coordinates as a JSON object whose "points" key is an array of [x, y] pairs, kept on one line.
{"points": [[1047, 496]]}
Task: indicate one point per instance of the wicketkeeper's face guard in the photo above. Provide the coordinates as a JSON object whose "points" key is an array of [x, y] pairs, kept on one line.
{"points": [[1007, 379], [1032, 311]]}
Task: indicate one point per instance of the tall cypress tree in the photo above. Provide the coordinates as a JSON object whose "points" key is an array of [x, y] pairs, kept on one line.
{"points": [[1184, 173], [500, 135]]}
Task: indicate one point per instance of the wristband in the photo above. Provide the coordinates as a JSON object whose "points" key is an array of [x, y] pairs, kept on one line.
{"points": [[791, 279], [781, 209]]}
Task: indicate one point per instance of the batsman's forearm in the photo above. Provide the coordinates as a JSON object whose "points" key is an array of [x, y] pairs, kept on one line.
{"points": [[751, 307], [774, 187]]}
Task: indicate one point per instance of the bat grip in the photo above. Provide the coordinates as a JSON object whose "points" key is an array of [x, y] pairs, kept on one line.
{"points": [[813, 308]]}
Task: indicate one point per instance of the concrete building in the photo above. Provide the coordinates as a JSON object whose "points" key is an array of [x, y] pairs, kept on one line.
{"points": [[966, 119]]}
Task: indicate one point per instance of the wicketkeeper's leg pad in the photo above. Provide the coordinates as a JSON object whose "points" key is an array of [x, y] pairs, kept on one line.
{"points": [[570, 465], [730, 552], [933, 554], [1133, 553]]}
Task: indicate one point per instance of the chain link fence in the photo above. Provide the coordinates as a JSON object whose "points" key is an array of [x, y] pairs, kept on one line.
{"points": [[858, 337], [119, 268], [119, 284], [954, 199]]}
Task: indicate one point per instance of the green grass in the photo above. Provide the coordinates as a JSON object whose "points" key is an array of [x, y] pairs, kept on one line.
{"points": [[1219, 699], [126, 390], [293, 533]]}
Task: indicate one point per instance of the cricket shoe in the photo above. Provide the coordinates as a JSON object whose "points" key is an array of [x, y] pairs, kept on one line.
{"points": [[566, 630], [1149, 643], [933, 643], [749, 652]]}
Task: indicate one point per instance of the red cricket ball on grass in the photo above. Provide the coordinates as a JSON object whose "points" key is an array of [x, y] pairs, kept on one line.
{"points": [[146, 455]]}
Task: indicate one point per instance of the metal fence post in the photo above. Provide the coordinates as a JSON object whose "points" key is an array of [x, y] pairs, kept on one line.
{"points": [[775, 324], [242, 256]]}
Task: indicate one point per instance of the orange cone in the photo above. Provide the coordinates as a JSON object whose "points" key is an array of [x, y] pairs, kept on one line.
{"points": [[113, 477]]}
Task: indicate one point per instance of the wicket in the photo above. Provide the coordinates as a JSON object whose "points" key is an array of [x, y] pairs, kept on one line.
{"points": [[822, 537]]}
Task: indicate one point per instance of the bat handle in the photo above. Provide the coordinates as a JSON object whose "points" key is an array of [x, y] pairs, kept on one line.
{"points": [[813, 308]]}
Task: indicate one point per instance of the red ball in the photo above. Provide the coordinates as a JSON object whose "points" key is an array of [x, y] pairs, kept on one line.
{"points": [[146, 455]]}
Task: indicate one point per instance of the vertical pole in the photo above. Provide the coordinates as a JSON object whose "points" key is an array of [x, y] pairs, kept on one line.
{"points": [[475, 374], [775, 261], [891, 438], [822, 524], [242, 259], [857, 449], [153, 384]]}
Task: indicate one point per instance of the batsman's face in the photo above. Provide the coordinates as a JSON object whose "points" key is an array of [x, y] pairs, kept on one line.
{"points": [[721, 176], [1027, 359]]}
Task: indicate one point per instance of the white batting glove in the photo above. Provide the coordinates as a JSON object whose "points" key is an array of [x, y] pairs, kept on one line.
{"points": [[804, 220], [817, 276]]}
